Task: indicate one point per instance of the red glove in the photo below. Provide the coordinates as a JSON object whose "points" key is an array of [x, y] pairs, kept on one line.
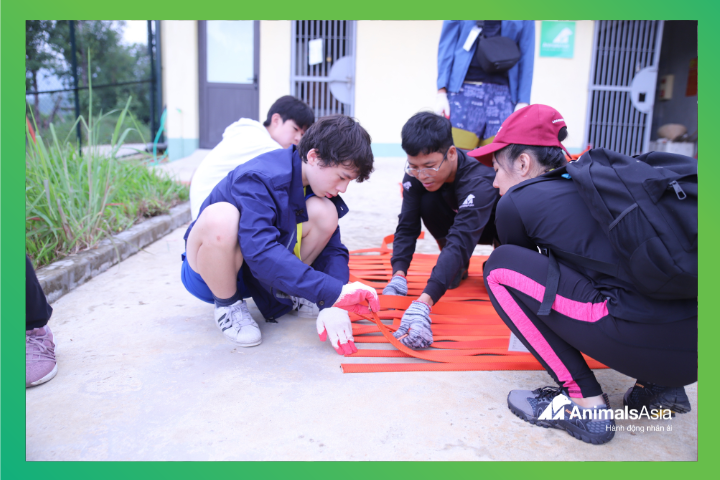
{"points": [[353, 294]]}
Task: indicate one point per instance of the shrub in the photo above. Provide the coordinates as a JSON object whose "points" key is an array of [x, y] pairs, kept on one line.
{"points": [[75, 199]]}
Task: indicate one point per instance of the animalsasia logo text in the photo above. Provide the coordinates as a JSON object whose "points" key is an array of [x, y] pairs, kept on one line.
{"points": [[558, 409]]}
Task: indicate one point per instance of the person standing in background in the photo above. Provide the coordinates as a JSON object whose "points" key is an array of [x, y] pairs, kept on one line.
{"points": [[40, 363], [485, 70]]}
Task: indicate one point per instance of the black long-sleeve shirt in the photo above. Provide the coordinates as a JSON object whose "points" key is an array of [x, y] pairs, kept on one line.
{"points": [[538, 213], [474, 199]]}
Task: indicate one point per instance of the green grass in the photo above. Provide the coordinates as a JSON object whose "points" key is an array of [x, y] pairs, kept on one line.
{"points": [[74, 201], [65, 126]]}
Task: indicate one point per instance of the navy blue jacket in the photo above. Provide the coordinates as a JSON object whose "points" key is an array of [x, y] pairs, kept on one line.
{"points": [[454, 60], [537, 213], [268, 192]]}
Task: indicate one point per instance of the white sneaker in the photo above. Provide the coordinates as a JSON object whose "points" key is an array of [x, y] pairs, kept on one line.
{"points": [[305, 308], [237, 325]]}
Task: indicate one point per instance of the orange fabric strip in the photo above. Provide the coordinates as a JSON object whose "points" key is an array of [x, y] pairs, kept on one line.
{"points": [[437, 367], [366, 352], [468, 334]]}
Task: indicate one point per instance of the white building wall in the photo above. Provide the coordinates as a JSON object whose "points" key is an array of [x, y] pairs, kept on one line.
{"points": [[180, 86], [562, 83], [396, 76], [396, 73], [274, 74]]}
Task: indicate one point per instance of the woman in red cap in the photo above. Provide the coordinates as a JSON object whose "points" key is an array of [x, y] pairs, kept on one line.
{"points": [[604, 317]]}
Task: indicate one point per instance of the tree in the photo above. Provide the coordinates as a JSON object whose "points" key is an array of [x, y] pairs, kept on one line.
{"points": [[111, 62], [48, 46], [40, 35]]}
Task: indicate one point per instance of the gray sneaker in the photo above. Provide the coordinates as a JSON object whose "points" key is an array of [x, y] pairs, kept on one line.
{"points": [[237, 325], [305, 308], [40, 363], [550, 407]]}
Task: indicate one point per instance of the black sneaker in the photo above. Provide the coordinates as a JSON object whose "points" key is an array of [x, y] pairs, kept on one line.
{"points": [[646, 394], [550, 407]]}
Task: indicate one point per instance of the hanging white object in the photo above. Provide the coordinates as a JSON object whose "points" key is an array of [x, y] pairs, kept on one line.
{"points": [[341, 79], [642, 89]]}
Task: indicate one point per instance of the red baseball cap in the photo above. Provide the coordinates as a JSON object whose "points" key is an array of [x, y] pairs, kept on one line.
{"points": [[532, 125]]}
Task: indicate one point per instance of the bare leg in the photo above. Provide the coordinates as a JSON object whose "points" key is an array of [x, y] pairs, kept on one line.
{"points": [[213, 250], [322, 223], [589, 402]]}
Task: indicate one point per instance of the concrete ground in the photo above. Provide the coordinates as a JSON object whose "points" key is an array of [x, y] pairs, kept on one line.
{"points": [[182, 170], [145, 375]]}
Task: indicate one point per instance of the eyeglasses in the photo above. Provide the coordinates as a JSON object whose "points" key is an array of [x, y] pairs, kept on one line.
{"points": [[428, 171]]}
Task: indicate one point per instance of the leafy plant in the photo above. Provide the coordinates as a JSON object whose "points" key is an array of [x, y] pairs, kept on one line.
{"points": [[75, 199]]}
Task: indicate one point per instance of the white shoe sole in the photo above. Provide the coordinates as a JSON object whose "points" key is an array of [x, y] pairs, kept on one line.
{"points": [[44, 379], [255, 344], [240, 344]]}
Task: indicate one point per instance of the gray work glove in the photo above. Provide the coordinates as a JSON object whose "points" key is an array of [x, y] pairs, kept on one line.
{"points": [[397, 286], [415, 324]]}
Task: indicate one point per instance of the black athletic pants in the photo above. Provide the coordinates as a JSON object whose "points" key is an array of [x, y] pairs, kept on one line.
{"points": [[37, 309], [438, 217], [664, 354]]}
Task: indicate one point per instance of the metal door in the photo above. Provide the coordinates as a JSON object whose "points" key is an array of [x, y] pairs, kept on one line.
{"points": [[228, 65], [622, 84], [322, 70]]}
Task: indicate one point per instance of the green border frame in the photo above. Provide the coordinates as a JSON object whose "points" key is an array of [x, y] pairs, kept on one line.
{"points": [[12, 426]]}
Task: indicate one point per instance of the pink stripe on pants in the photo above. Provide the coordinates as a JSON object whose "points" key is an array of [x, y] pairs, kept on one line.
{"points": [[586, 312]]}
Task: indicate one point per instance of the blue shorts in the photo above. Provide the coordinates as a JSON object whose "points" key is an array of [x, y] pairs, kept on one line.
{"points": [[195, 284], [479, 109]]}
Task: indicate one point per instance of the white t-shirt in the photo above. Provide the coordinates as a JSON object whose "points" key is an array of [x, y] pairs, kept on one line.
{"points": [[242, 141]]}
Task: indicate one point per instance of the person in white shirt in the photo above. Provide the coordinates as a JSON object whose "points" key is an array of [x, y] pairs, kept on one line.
{"points": [[286, 123]]}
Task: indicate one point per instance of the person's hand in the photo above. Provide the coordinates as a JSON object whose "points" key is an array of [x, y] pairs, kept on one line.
{"points": [[397, 286], [414, 330], [335, 323], [442, 107], [354, 293], [519, 106]]}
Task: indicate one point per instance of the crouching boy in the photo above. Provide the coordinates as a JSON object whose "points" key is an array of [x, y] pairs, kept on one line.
{"points": [[269, 230]]}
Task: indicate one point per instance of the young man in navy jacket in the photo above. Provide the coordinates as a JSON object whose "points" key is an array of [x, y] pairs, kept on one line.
{"points": [[269, 230]]}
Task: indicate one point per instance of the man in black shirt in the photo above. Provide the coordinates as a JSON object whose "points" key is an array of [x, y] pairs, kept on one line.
{"points": [[454, 197]]}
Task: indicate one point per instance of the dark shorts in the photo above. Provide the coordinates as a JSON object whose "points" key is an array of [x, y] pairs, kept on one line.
{"points": [[195, 284], [479, 110]]}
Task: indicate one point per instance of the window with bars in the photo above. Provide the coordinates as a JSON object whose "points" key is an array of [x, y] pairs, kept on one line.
{"points": [[622, 49], [309, 78]]}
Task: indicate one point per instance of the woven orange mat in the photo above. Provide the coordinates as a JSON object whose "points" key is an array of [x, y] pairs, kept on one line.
{"points": [[468, 334]]}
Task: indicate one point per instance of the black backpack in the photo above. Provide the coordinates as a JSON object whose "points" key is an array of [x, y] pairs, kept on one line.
{"points": [[647, 206]]}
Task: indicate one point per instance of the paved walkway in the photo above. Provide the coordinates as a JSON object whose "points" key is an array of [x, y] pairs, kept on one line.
{"points": [[145, 375], [183, 169], [126, 150]]}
